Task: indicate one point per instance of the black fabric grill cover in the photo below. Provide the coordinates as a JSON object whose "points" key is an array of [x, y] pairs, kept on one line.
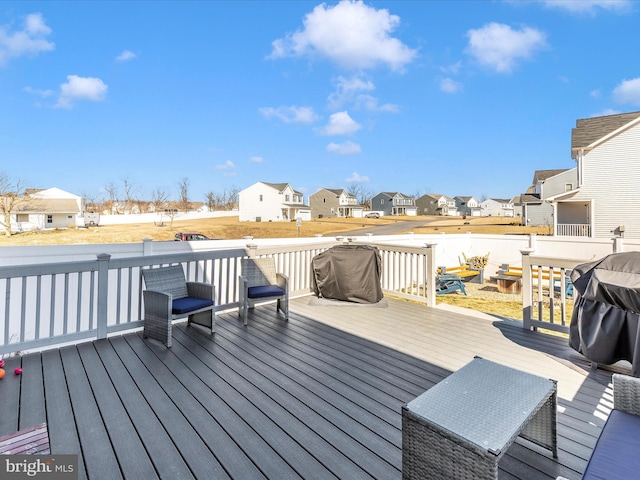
{"points": [[606, 312], [348, 272]]}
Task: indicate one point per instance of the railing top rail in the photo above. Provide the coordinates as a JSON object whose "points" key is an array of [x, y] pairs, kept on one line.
{"points": [[555, 261], [12, 271]]}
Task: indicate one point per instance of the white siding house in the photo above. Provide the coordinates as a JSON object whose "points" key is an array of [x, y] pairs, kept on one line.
{"points": [[605, 200], [50, 208], [497, 207], [271, 202]]}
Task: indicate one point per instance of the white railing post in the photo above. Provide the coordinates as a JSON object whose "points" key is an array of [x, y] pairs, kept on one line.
{"points": [[103, 294], [147, 247], [618, 244], [252, 250], [430, 274], [527, 300]]}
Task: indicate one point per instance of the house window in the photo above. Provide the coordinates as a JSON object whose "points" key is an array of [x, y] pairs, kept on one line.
{"points": [[49, 218], [382, 202], [22, 217], [286, 198], [260, 197], [568, 187]]}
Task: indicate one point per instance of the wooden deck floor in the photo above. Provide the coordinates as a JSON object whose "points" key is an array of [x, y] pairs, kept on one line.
{"points": [[318, 397]]}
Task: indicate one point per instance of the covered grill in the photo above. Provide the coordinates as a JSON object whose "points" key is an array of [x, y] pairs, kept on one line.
{"points": [[606, 314], [348, 272]]}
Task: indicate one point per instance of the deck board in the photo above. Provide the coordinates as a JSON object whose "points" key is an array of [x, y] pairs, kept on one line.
{"points": [[316, 397]]}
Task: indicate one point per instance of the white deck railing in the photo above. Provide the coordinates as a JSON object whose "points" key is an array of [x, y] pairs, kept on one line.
{"points": [[544, 291], [573, 229], [56, 303]]}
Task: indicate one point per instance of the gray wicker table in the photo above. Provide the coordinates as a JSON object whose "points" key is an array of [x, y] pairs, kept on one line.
{"points": [[461, 427]]}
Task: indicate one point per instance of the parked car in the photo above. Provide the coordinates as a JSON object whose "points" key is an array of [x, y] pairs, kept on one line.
{"points": [[372, 215], [189, 236]]}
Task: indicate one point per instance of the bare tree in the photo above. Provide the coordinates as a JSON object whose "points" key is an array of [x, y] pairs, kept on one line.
{"points": [[233, 198], [90, 201], [212, 201], [183, 185], [159, 199], [129, 191], [361, 193], [11, 197], [112, 191]]}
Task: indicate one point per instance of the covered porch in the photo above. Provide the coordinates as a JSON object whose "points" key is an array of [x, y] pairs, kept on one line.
{"points": [[317, 397]]}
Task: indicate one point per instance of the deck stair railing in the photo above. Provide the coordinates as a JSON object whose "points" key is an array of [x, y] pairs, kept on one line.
{"points": [[50, 304]]}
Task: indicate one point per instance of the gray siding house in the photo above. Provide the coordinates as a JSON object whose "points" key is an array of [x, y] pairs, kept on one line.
{"points": [[436, 204], [394, 203], [329, 202], [536, 211]]}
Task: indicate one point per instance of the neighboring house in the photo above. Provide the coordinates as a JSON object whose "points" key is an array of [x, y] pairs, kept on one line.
{"points": [[394, 203], [536, 211], [468, 206], [50, 208], [604, 202], [436, 204], [329, 202], [497, 207], [271, 202]]}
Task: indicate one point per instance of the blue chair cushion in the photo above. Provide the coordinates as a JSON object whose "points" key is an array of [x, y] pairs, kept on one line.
{"points": [[263, 291], [616, 452], [189, 304]]}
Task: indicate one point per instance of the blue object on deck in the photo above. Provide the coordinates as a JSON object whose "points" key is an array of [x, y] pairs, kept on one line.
{"points": [[448, 284]]}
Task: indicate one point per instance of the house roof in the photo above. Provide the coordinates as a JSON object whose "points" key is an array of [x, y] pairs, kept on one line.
{"points": [[541, 175], [590, 130], [393, 194], [340, 191], [47, 205], [529, 198], [281, 186]]}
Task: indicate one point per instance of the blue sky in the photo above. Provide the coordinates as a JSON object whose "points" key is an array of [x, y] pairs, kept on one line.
{"points": [[452, 97]]}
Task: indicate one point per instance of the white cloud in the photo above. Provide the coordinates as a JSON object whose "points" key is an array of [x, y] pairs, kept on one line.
{"points": [[589, 6], [126, 55], [225, 166], [340, 123], [453, 69], [605, 112], [28, 41], [355, 177], [367, 102], [293, 114], [81, 88], [40, 93], [349, 91], [256, 159], [449, 85], [351, 34], [346, 148], [628, 92], [595, 93], [498, 46]]}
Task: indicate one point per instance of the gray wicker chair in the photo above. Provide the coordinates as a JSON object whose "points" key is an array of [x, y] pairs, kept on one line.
{"points": [[616, 455], [260, 282], [169, 296]]}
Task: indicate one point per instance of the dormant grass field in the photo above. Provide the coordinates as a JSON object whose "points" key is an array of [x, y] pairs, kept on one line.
{"points": [[231, 228]]}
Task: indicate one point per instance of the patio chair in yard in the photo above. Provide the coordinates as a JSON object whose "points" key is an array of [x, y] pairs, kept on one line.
{"points": [[169, 296], [448, 284], [259, 282]]}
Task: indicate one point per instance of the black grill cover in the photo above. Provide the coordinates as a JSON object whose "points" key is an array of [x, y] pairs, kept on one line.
{"points": [[606, 313], [348, 272]]}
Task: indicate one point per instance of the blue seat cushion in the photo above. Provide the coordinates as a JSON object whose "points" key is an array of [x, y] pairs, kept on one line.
{"points": [[263, 291], [189, 304], [616, 454]]}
